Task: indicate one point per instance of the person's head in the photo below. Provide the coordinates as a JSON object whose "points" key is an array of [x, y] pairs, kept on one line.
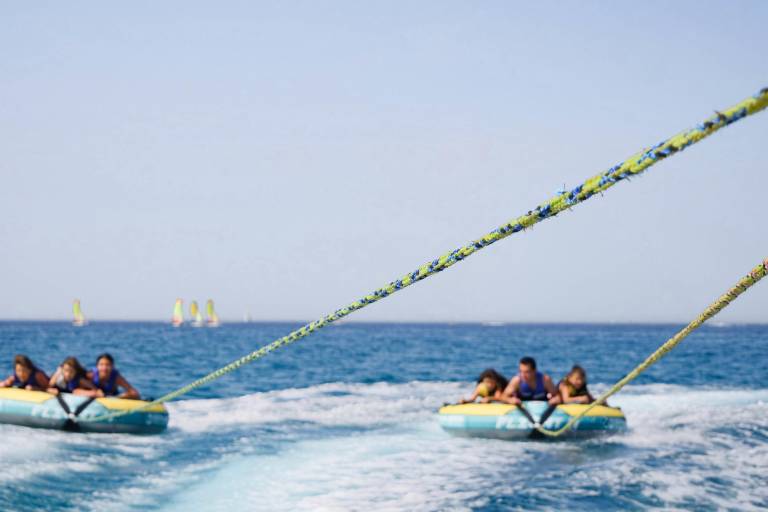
{"points": [[527, 368], [577, 377], [104, 364], [72, 369], [492, 380], [23, 367]]}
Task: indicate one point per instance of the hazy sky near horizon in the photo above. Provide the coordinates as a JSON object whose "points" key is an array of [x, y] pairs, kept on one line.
{"points": [[285, 158]]}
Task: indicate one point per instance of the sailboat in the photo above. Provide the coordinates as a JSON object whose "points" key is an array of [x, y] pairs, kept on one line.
{"points": [[213, 318], [195, 313], [79, 319], [178, 313]]}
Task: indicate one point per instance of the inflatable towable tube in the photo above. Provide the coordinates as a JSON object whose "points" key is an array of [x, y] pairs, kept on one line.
{"points": [[503, 421], [43, 410]]}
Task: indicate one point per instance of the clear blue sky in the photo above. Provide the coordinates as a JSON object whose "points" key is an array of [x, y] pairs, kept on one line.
{"points": [[285, 158]]}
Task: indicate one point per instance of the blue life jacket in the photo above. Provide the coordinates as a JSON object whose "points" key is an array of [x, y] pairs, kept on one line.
{"points": [[31, 381], [524, 391], [68, 387], [110, 386]]}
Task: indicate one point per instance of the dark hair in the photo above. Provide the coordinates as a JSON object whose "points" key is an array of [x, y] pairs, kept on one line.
{"points": [[75, 364], [25, 362], [490, 373], [529, 362], [106, 356], [578, 369]]}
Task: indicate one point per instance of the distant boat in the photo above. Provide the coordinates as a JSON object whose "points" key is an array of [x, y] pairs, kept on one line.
{"points": [[178, 313], [195, 313], [213, 318], [79, 319], [247, 318]]}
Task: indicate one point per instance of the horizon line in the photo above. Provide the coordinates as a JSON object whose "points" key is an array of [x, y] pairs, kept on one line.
{"points": [[486, 323]]}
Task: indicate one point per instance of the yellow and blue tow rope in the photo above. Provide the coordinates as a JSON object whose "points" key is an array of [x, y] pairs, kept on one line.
{"points": [[565, 199]]}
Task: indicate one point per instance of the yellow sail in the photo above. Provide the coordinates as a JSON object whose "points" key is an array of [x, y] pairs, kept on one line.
{"points": [[213, 318], [178, 313], [77, 313], [195, 313]]}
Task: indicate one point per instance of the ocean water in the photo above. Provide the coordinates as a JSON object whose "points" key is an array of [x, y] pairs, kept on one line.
{"points": [[345, 420]]}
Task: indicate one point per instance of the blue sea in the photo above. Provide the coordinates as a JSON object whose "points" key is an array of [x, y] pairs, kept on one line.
{"points": [[346, 420]]}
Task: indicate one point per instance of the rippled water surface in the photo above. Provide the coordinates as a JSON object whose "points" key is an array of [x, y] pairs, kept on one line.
{"points": [[345, 420]]}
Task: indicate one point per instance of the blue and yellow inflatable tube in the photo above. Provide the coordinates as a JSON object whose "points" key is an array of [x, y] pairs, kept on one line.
{"points": [[503, 421], [43, 410]]}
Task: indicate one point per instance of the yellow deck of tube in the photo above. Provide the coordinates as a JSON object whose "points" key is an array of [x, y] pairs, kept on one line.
{"points": [[125, 404], [113, 404], [498, 409], [23, 395]]}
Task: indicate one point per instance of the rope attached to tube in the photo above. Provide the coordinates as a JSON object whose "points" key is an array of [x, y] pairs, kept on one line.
{"points": [[746, 282], [633, 166]]}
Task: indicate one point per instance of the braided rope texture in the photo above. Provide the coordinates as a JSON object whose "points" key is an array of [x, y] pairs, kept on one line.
{"points": [[633, 166], [746, 282]]}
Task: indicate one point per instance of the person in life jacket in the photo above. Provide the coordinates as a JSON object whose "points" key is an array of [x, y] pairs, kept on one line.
{"points": [[490, 386], [71, 377], [108, 380], [25, 375], [573, 388], [530, 384]]}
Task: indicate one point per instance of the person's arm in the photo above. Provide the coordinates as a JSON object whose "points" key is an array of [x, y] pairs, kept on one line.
{"points": [[554, 396], [472, 398], [496, 396], [565, 393], [97, 392], [509, 395], [86, 388], [130, 391], [54, 378], [41, 382], [7, 382]]}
